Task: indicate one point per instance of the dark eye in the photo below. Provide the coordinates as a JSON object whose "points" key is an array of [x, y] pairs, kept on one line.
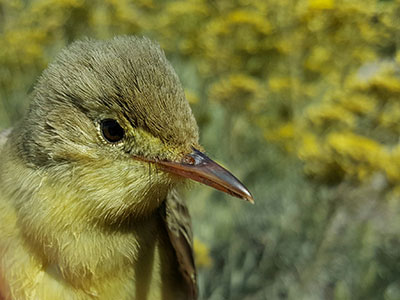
{"points": [[111, 130]]}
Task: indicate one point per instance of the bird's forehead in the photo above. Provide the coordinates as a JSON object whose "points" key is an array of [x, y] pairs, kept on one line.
{"points": [[131, 77]]}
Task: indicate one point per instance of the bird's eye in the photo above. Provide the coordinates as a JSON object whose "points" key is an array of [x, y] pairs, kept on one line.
{"points": [[111, 130]]}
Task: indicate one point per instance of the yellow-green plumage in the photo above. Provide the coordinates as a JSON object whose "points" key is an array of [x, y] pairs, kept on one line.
{"points": [[81, 219]]}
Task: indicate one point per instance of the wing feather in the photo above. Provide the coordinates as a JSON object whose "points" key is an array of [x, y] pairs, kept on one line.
{"points": [[178, 225]]}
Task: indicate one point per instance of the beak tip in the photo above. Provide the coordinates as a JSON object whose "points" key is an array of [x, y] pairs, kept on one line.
{"points": [[242, 192], [248, 197], [251, 200]]}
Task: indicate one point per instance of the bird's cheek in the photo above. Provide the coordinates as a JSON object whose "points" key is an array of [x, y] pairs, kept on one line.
{"points": [[156, 151], [142, 143]]}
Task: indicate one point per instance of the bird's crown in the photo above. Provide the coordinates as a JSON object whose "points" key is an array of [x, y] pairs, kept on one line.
{"points": [[126, 80]]}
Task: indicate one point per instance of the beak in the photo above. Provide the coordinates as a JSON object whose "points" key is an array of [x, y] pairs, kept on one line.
{"points": [[199, 167]]}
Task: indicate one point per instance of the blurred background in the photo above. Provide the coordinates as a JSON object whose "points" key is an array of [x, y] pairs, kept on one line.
{"points": [[300, 99]]}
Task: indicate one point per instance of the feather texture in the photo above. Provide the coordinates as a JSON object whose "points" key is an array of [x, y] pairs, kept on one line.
{"points": [[178, 224]]}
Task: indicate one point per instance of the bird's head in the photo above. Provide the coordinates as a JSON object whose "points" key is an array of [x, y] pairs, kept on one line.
{"points": [[109, 121]]}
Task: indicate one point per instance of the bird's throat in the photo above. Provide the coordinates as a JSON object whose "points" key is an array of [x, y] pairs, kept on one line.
{"points": [[74, 249]]}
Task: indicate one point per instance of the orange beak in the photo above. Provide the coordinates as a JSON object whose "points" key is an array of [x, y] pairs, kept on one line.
{"points": [[197, 166]]}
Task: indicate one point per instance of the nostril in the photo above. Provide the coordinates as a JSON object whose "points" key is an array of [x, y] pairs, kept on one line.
{"points": [[197, 158], [189, 160]]}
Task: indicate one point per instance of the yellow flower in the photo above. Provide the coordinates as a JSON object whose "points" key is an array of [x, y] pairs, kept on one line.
{"points": [[235, 87], [191, 96], [249, 17], [330, 115], [321, 4], [279, 83], [358, 155], [202, 254], [358, 103]]}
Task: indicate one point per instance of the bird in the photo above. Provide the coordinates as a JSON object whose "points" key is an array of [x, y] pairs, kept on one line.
{"points": [[90, 206]]}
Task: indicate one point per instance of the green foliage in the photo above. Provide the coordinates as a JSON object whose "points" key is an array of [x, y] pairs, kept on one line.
{"points": [[300, 98]]}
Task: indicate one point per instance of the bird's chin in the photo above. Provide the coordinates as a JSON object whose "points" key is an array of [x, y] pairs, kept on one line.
{"points": [[111, 192]]}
